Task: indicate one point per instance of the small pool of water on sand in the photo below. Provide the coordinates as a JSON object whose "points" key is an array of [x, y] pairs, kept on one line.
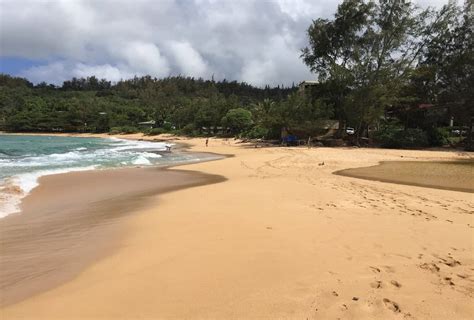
{"points": [[449, 175]]}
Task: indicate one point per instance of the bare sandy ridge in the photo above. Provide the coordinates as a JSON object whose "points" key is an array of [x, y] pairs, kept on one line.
{"points": [[283, 238]]}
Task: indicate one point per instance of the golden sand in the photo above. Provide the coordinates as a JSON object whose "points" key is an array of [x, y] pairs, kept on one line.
{"points": [[72, 219], [282, 238]]}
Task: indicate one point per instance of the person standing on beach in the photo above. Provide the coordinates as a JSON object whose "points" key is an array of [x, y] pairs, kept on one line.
{"points": [[309, 142], [207, 141]]}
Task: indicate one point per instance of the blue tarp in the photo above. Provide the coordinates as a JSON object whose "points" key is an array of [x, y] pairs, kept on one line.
{"points": [[290, 139]]}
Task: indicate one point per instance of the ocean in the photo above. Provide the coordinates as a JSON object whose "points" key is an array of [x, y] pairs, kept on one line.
{"points": [[24, 159]]}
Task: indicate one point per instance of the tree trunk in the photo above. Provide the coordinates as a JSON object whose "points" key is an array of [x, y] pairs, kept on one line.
{"points": [[341, 128], [358, 135], [469, 146]]}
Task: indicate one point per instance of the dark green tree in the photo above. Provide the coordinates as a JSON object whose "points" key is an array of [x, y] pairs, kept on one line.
{"points": [[365, 54], [450, 57], [237, 120]]}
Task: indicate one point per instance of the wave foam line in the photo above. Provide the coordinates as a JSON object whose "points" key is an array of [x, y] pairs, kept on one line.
{"points": [[14, 189]]}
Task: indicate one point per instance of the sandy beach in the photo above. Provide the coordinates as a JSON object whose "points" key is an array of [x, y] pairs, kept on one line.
{"points": [[274, 235], [72, 219]]}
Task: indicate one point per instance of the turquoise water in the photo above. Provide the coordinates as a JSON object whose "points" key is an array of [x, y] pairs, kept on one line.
{"points": [[23, 159]]}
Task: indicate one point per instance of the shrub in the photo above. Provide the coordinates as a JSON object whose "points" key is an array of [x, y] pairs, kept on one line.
{"points": [[438, 137], [412, 138], [237, 120], [257, 132], [188, 129], [145, 131], [168, 126], [123, 130], [386, 136], [395, 137], [156, 131]]}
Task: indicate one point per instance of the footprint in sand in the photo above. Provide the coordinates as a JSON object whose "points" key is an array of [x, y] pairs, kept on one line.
{"points": [[376, 284], [430, 266], [449, 281], [374, 269], [391, 305], [450, 262], [389, 269], [396, 283]]}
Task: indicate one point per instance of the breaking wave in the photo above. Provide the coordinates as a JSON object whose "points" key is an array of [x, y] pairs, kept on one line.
{"points": [[21, 167]]}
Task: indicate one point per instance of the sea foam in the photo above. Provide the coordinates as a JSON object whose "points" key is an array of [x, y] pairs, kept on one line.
{"points": [[19, 173], [13, 189]]}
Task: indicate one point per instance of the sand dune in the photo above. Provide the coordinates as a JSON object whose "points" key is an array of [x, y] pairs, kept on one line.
{"points": [[282, 238]]}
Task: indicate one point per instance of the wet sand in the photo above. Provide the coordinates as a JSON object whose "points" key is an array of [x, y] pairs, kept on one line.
{"points": [[448, 175], [281, 238], [72, 219]]}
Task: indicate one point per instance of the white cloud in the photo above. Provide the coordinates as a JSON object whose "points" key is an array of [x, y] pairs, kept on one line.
{"points": [[105, 71], [144, 58], [188, 59], [54, 72], [257, 41], [298, 9], [433, 3], [59, 71], [276, 64]]}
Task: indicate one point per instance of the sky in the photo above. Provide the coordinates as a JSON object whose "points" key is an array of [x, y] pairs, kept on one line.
{"points": [[256, 41]]}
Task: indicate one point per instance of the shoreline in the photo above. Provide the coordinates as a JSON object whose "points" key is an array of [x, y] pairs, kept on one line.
{"points": [[33, 230], [281, 237], [14, 193], [166, 137]]}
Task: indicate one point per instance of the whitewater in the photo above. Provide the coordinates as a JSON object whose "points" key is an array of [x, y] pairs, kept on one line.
{"points": [[24, 159]]}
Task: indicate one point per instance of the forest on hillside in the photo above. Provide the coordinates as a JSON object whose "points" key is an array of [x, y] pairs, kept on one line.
{"points": [[399, 76]]}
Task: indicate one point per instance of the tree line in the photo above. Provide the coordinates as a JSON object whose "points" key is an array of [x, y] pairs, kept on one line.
{"points": [[398, 75], [182, 104], [391, 64]]}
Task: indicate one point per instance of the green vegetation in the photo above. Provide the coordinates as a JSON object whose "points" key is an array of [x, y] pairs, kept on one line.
{"points": [[395, 73], [175, 104], [124, 130], [156, 131], [393, 137], [237, 120], [392, 60]]}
